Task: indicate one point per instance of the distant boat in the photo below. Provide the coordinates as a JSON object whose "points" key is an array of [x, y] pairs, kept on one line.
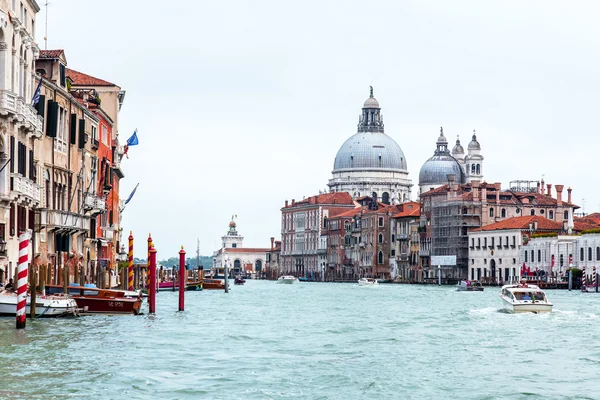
{"points": [[45, 306], [468, 286], [239, 281], [287, 279], [367, 282]]}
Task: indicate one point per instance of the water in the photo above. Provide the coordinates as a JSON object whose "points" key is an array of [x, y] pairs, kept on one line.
{"points": [[312, 341]]}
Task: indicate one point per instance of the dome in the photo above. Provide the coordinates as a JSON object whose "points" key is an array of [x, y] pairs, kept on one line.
{"points": [[435, 170], [458, 149], [371, 102], [370, 150], [474, 145]]}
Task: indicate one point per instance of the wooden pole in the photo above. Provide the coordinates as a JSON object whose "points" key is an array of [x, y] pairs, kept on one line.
{"points": [[65, 279], [152, 286], [43, 276], [182, 278], [33, 290]]}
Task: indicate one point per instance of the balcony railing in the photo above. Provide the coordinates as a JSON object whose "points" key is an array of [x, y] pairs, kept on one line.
{"points": [[67, 220], [94, 203], [25, 187], [26, 116], [107, 233]]}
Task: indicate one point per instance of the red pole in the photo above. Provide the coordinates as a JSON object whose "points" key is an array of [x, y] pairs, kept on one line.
{"points": [[22, 270], [182, 278], [152, 286], [130, 263], [150, 245]]}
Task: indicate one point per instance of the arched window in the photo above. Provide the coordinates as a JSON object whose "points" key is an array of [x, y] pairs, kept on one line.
{"points": [[380, 238], [503, 213], [258, 265], [385, 198], [550, 214], [380, 258], [237, 265], [532, 211], [581, 254], [473, 169], [478, 169], [491, 212], [589, 254], [374, 195], [566, 216]]}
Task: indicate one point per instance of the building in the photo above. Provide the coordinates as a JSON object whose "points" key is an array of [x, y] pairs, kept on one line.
{"points": [[20, 130], [451, 211], [434, 172], [233, 253], [273, 266], [302, 239], [495, 249], [404, 256], [370, 163]]}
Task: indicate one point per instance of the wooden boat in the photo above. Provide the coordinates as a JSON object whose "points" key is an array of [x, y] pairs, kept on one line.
{"points": [[239, 281], [101, 301], [213, 284], [174, 286]]}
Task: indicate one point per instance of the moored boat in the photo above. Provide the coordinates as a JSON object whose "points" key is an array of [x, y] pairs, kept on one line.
{"points": [[239, 281], [101, 301], [287, 279], [468, 286], [45, 306], [367, 282], [524, 298]]}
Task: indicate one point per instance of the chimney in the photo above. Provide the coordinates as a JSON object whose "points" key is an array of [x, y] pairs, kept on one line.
{"points": [[535, 225], [272, 241], [286, 203], [542, 187], [569, 195], [538, 187], [559, 190], [549, 190], [451, 185], [293, 202]]}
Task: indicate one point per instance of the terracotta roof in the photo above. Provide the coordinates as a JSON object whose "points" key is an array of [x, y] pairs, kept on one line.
{"points": [[410, 209], [326, 198], [81, 79], [583, 225], [50, 54], [349, 213], [543, 224]]}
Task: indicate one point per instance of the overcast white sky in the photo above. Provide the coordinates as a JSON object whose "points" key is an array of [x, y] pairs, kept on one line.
{"points": [[240, 105]]}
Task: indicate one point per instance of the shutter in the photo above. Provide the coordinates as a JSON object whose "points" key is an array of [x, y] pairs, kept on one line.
{"points": [[41, 105], [81, 133], [12, 154], [73, 126], [32, 174], [52, 122], [63, 76], [11, 220]]}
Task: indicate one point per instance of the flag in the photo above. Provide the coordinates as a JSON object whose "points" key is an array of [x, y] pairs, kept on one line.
{"points": [[36, 94], [132, 141], [132, 193]]}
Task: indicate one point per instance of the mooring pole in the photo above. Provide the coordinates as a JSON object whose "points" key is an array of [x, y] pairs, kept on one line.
{"points": [[570, 276], [439, 275], [130, 263], [152, 286], [182, 278], [22, 279]]}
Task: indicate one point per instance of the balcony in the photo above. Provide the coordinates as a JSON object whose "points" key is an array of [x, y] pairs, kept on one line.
{"points": [[94, 204], [95, 144], [65, 220], [118, 171], [25, 188], [424, 253], [402, 236], [107, 233], [24, 115]]}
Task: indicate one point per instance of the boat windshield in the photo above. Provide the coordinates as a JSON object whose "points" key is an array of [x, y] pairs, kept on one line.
{"points": [[530, 295]]}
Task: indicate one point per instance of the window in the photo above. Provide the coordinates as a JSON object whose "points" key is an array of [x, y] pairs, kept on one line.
{"points": [[484, 242], [105, 135], [539, 256], [380, 258], [478, 169], [542, 212], [380, 221], [478, 242], [500, 242], [598, 253], [385, 198], [532, 211], [589, 254], [380, 238], [566, 214], [581, 254], [60, 142], [526, 256], [393, 252], [485, 260], [532, 256], [493, 240], [514, 260], [550, 214], [472, 261], [491, 212], [393, 238], [562, 260], [472, 242], [503, 213]]}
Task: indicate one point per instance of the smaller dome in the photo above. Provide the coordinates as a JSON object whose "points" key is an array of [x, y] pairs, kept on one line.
{"points": [[474, 145], [232, 224], [371, 102], [458, 149]]}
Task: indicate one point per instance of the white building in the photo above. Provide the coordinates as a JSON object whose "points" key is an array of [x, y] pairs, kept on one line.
{"points": [[495, 249], [370, 163], [236, 256], [20, 128]]}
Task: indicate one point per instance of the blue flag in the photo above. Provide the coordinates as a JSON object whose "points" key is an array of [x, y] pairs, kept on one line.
{"points": [[132, 193], [36, 95], [133, 140]]}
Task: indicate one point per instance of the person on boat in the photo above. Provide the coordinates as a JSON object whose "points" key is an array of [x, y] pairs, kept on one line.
{"points": [[526, 296], [9, 285]]}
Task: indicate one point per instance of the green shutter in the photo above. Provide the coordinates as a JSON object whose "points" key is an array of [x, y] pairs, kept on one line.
{"points": [[73, 132], [52, 122], [41, 105], [81, 133]]}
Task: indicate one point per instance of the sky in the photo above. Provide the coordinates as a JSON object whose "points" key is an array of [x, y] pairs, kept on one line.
{"points": [[241, 105]]}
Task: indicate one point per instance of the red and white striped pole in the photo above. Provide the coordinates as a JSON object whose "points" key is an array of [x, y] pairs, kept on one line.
{"points": [[594, 276], [22, 279], [583, 278]]}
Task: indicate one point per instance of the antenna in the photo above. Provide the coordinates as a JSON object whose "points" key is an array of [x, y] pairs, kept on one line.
{"points": [[46, 28]]}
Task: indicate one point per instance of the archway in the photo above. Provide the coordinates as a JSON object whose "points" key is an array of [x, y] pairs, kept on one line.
{"points": [[258, 265], [493, 270], [237, 266]]}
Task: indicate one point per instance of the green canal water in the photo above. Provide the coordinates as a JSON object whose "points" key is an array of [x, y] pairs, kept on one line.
{"points": [[312, 341]]}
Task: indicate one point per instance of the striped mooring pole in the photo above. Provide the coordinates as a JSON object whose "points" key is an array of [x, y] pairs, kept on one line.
{"points": [[583, 277], [130, 263], [594, 276], [22, 279], [152, 286]]}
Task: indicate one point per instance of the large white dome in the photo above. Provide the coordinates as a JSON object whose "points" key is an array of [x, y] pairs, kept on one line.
{"points": [[370, 150]]}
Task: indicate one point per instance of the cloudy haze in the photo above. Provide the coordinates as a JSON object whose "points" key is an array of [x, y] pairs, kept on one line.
{"points": [[241, 105]]}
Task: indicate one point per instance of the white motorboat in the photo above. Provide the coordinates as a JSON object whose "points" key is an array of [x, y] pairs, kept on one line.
{"points": [[367, 282], [468, 286], [524, 298], [287, 279], [45, 306]]}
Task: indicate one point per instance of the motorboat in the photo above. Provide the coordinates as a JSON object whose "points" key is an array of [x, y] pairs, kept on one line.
{"points": [[524, 297], [288, 279], [45, 306], [468, 286], [367, 282], [239, 280], [101, 301]]}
